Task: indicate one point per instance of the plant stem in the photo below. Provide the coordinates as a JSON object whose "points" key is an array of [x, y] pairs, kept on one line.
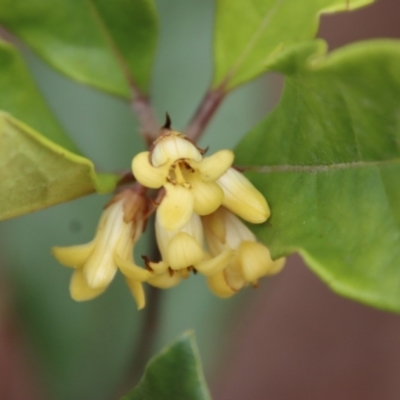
{"points": [[204, 113], [149, 127], [149, 331]]}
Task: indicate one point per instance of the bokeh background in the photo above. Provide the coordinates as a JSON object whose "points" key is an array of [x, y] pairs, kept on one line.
{"points": [[290, 339]]}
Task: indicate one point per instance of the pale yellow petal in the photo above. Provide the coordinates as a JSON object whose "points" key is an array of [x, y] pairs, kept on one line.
{"points": [[176, 207], [208, 196], [194, 228], [216, 264], [213, 167], [172, 148], [236, 231], [146, 174], [130, 270], [254, 260], [100, 267], [218, 285], [165, 280], [214, 226], [99, 272], [234, 277], [278, 266], [242, 198], [80, 290], [184, 251], [73, 256], [159, 267], [137, 291]]}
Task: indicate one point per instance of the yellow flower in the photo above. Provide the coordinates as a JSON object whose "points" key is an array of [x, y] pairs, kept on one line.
{"points": [[181, 252], [96, 262], [189, 179], [242, 198], [249, 259]]}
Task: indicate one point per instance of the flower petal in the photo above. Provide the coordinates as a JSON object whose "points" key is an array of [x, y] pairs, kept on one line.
{"points": [[208, 196], [184, 251], [80, 290], [215, 227], [73, 256], [278, 265], [218, 285], [165, 280], [215, 265], [159, 267], [234, 277], [255, 261], [173, 147], [213, 167], [146, 174], [100, 267], [130, 270], [176, 207], [137, 291], [242, 198]]}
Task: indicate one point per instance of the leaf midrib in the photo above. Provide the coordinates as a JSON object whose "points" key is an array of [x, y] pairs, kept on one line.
{"points": [[318, 168], [253, 40]]}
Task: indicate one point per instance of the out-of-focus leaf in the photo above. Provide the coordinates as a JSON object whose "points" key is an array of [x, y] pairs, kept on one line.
{"points": [[174, 374], [36, 173], [96, 42], [328, 161], [20, 97], [249, 35]]}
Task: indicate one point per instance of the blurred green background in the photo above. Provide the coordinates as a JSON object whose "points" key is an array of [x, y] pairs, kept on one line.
{"points": [[82, 350]]}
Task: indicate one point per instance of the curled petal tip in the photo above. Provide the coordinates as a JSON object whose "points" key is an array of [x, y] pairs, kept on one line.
{"points": [[80, 290], [73, 256], [219, 286], [184, 251], [146, 174]]}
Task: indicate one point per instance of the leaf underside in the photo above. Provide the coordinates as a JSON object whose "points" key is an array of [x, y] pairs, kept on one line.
{"points": [[36, 173], [173, 374]]}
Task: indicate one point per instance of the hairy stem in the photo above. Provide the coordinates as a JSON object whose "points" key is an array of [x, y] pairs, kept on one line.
{"points": [[205, 112]]}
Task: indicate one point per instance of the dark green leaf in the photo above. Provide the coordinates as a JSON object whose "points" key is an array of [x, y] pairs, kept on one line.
{"points": [[96, 42], [20, 97], [249, 35], [328, 161], [174, 374], [36, 173]]}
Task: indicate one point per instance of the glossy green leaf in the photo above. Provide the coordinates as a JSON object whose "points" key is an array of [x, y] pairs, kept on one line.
{"points": [[249, 35], [20, 97], [328, 161], [174, 374], [97, 42], [36, 173]]}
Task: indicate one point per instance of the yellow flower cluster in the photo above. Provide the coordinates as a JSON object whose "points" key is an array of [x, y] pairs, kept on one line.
{"points": [[197, 225]]}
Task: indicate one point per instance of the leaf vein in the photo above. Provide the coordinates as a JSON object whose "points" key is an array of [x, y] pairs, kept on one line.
{"points": [[319, 168]]}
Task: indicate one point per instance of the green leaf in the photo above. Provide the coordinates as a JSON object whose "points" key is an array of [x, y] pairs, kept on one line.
{"points": [[36, 173], [20, 97], [328, 161], [97, 42], [249, 35], [173, 374]]}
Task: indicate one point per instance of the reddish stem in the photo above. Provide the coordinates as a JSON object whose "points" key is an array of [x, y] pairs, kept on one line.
{"points": [[204, 113]]}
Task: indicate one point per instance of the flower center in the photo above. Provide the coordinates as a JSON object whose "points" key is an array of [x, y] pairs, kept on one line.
{"points": [[177, 173]]}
